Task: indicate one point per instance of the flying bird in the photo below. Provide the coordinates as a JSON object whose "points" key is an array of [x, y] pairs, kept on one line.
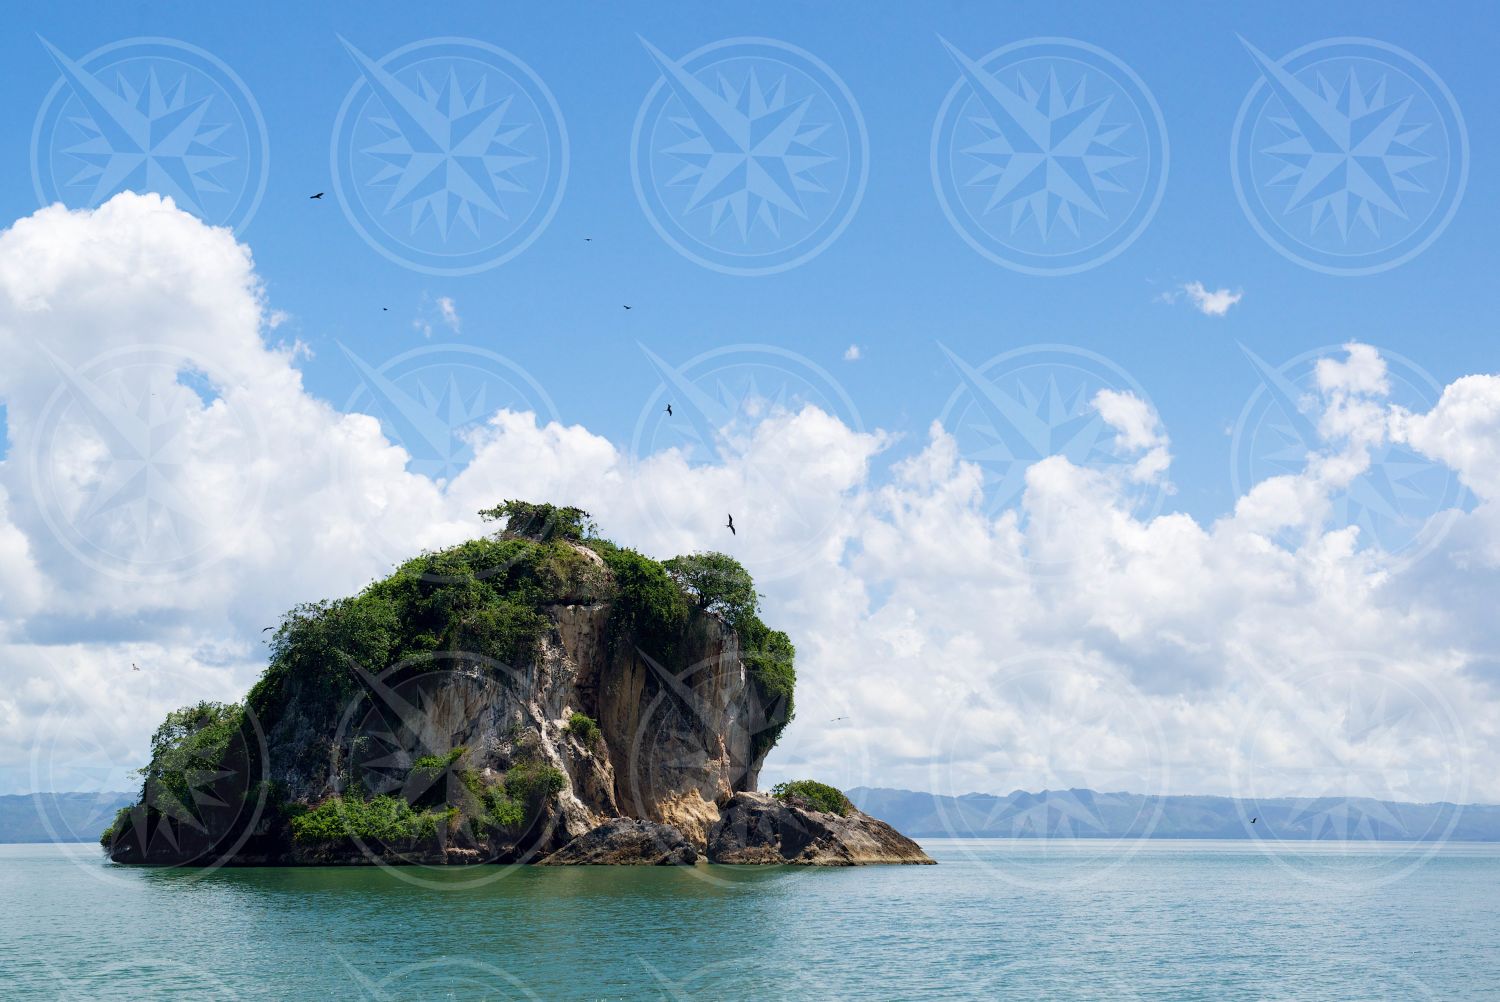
{"points": [[385, 309], [730, 526], [263, 629], [588, 240], [318, 195], [133, 667], [1253, 820], [669, 410], [627, 307], [837, 719]]}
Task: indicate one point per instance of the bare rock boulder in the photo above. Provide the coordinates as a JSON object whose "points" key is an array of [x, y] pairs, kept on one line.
{"points": [[756, 828], [626, 842]]}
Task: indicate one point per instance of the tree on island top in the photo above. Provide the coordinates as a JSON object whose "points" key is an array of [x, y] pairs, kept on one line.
{"points": [[541, 522], [489, 597], [811, 795], [717, 583]]}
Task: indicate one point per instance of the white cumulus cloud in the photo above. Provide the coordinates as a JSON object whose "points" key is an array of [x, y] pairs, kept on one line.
{"points": [[1209, 302], [1076, 640]]}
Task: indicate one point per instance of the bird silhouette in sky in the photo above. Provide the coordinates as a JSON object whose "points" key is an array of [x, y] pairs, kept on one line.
{"points": [[730, 526], [1253, 820], [318, 195], [669, 410], [263, 629], [385, 309], [837, 719], [627, 307], [133, 666], [588, 240]]}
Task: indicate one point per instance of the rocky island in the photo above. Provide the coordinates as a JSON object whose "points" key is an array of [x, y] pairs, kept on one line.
{"points": [[539, 695]]}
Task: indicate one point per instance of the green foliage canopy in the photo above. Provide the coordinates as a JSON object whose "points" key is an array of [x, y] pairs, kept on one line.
{"points": [[809, 794], [541, 522], [718, 583], [584, 727], [485, 597]]}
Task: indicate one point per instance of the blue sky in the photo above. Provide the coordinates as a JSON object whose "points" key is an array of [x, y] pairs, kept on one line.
{"points": [[1182, 571], [896, 281]]}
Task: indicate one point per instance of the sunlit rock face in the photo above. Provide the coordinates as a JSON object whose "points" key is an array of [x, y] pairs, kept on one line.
{"points": [[680, 727], [756, 829]]}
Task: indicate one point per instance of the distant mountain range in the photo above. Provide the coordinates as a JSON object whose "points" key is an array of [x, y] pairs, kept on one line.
{"points": [[58, 817], [1087, 814], [80, 817]]}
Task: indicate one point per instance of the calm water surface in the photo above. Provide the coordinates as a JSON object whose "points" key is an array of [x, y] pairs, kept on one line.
{"points": [[995, 920]]}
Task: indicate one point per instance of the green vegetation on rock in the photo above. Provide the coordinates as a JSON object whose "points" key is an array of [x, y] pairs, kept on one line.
{"points": [[809, 794], [192, 750], [384, 820], [484, 597], [485, 605], [541, 522], [584, 727], [717, 583]]}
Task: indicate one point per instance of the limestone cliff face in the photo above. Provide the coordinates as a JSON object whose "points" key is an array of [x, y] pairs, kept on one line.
{"points": [[536, 694], [757, 829], [682, 742], [676, 741]]}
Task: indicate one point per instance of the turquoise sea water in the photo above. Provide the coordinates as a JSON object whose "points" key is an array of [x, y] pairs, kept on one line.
{"points": [[995, 920]]}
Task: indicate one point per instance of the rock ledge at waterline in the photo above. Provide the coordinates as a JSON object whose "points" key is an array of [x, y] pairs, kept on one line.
{"points": [[537, 695]]}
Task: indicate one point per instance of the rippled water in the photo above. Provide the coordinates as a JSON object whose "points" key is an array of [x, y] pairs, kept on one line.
{"points": [[996, 919]]}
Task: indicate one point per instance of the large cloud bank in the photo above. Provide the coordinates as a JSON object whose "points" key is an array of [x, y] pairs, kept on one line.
{"points": [[170, 487]]}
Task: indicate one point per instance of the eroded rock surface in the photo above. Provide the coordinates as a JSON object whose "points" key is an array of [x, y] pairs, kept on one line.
{"points": [[759, 829], [626, 842], [677, 736], [535, 695]]}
